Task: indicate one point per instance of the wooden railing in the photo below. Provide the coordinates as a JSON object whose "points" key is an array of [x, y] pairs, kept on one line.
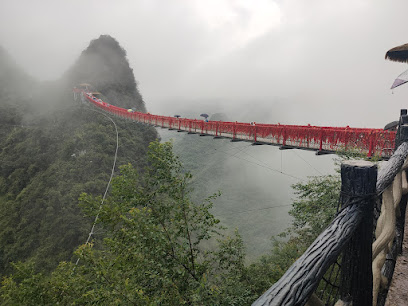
{"points": [[364, 268]]}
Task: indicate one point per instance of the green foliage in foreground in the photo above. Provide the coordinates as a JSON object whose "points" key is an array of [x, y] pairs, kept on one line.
{"points": [[312, 212], [315, 207], [153, 250], [44, 168]]}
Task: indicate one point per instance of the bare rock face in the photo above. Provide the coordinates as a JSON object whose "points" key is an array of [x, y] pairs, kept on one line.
{"points": [[104, 65]]}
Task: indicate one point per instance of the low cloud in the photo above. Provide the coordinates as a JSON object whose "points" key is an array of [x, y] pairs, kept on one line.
{"points": [[320, 62]]}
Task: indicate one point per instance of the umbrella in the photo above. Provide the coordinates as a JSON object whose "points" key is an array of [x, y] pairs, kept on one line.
{"points": [[177, 116], [398, 54], [391, 126], [401, 79], [204, 115]]}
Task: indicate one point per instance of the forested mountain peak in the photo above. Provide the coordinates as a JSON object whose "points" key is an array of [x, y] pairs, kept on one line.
{"points": [[53, 149], [104, 65], [152, 244]]}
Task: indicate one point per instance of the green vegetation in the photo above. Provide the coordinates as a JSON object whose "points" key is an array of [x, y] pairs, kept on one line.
{"points": [[52, 150], [155, 249], [44, 169], [316, 204], [152, 253], [153, 243], [313, 210], [247, 188]]}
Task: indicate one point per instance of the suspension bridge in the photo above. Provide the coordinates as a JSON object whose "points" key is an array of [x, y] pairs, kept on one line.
{"points": [[352, 261], [323, 140], [344, 260]]}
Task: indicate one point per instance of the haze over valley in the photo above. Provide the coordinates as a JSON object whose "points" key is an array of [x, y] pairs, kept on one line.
{"points": [[95, 208]]}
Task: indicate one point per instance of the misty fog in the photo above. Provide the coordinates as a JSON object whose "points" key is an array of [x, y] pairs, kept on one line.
{"points": [[320, 62], [284, 61], [256, 196]]}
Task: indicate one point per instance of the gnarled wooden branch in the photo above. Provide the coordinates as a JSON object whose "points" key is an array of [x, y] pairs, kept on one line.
{"points": [[386, 224], [302, 278], [389, 170]]}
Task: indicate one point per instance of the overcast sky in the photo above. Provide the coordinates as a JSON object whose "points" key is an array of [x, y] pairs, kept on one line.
{"points": [[288, 61]]}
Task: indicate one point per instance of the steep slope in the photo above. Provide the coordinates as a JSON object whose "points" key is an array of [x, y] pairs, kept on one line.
{"points": [[14, 97], [50, 158]]}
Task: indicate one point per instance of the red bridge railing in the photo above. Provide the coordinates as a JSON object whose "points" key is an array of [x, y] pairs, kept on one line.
{"points": [[373, 142]]}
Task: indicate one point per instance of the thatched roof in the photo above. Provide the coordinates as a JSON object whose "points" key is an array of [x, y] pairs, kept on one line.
{"points": [[398, 54]]}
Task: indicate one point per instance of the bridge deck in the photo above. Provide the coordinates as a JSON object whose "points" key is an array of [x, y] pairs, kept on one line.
{"points": [[372, 142]]}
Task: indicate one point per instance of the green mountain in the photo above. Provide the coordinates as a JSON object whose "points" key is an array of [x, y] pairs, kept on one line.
{"points": [[53, 149], [105, 66]]}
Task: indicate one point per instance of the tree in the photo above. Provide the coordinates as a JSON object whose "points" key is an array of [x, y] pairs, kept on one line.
{"points": [[315, 207], [312, 211], [160, 248]]}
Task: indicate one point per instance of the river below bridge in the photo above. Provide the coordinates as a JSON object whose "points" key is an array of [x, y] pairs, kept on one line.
{"points": [[256, 197]]}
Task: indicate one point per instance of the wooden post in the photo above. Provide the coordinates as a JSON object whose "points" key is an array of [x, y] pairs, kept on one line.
{"points": [[300, 281], [403, 115], [385, 179], [358, 183]]}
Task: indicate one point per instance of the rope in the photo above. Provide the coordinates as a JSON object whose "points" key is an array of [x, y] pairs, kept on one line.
{"points": [[110, 179]]}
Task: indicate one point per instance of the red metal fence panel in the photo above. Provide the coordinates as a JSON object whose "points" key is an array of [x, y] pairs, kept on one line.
{"points": [[372, 142]]}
